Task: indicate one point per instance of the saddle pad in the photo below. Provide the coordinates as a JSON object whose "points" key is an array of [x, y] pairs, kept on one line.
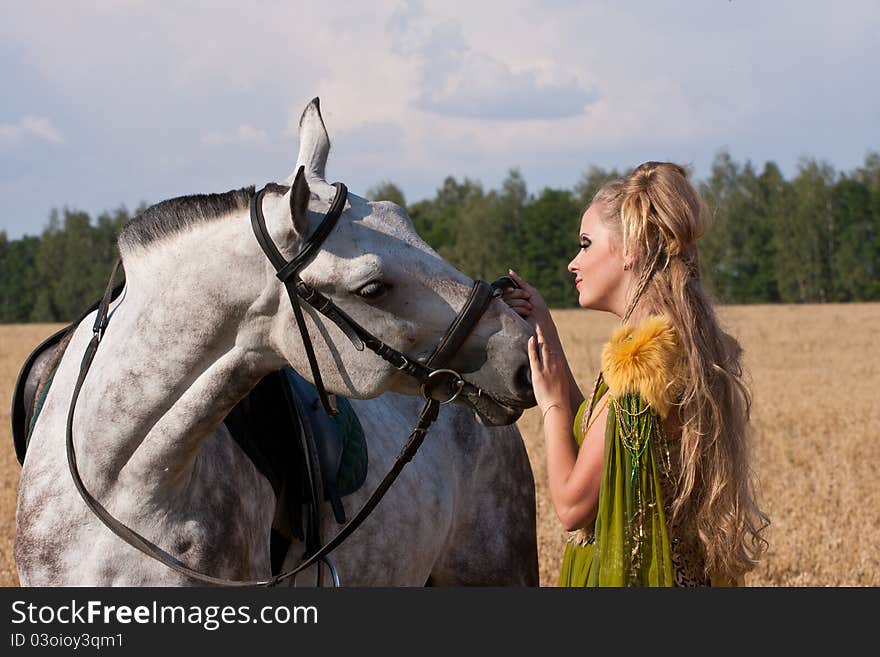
{"points": [[340, 441], [38, 406], [353, 468]]}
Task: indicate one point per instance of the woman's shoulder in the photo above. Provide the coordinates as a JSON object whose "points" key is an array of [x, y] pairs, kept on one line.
{"points": [[646, 360]]}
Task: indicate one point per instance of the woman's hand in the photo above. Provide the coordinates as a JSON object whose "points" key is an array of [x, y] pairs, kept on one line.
{"points": [[550, 378], [527, 302]]}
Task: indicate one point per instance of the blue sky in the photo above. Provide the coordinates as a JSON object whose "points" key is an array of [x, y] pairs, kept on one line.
{"points": [[114, 103]]}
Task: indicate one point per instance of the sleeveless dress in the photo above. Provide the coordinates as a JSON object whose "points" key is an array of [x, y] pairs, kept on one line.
{"points": [[631, 542]]}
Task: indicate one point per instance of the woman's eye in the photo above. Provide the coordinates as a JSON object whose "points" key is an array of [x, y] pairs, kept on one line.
{"points": [[585, 243], [373, 290]]}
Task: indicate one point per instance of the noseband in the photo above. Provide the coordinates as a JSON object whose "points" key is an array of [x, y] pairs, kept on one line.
{"points": [[438, 384]]}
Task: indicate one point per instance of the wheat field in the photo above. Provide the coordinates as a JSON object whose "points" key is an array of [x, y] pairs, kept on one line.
{"points": [[814, 371]]}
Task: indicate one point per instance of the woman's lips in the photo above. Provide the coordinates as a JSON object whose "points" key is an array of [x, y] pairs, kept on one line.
{"points": [[577, 282]]}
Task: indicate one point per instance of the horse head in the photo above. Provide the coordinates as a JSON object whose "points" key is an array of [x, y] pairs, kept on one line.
{"points": [[375, 267]]}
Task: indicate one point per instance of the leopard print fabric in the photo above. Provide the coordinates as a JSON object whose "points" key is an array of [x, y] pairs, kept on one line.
{"points": [[688, 562]]}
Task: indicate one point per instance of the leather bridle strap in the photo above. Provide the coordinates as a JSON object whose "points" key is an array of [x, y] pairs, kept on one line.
{"points": [[481, 296], [312, 243], [288, 272]]}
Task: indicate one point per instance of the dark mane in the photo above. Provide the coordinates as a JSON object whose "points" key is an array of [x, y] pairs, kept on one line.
{"points": [[177, 214]]}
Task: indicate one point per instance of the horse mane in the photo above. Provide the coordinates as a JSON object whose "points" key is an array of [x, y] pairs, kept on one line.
{"points": [[176, 215]]}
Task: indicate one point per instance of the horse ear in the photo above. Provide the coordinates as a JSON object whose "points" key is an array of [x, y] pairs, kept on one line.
{"points": [[299, 202], [314, 144]]}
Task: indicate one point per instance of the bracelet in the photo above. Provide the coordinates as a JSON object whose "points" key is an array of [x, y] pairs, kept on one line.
{"points": [[547, 410]]}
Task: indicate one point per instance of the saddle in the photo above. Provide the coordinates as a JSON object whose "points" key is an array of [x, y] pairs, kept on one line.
{"points": [[306, 455], [284, 430]]}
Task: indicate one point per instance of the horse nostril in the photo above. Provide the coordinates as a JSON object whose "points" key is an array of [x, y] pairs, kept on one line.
{"points": [[524, 386], [524, 377]]}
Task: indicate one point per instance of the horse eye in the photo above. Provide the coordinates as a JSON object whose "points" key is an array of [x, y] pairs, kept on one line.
{"points": [[373, 290]]}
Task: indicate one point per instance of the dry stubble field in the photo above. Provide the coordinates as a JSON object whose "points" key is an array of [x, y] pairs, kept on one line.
{"points": [[814, 371]]}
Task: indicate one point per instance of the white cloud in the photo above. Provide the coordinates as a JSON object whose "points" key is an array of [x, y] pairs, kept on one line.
{"points": [[461, 80], [30, 127], [244, 134]]}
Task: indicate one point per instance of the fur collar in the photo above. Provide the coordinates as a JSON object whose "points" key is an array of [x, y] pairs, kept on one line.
{"points": [[645, 359]]}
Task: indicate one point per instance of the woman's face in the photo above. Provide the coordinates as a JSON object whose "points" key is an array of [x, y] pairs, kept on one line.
{"points": [[600, 278]]}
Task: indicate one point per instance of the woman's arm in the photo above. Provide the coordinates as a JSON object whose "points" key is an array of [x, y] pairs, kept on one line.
{"points": [[573, 474]]}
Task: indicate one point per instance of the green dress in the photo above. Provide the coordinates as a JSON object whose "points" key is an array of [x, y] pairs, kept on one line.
{"points": [[629, 545]]}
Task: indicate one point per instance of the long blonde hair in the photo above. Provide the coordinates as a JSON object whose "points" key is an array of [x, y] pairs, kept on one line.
{"points": [[659, 217]]}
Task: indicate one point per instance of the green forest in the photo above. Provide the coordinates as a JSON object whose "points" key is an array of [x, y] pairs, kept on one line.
{"points": [[811, 239]]}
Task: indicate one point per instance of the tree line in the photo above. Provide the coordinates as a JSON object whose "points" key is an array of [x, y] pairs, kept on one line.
{"points": [[813, 238]]}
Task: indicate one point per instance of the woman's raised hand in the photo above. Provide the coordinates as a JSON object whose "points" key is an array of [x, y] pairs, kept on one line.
{"points": [[527, 302], [549, 373], [520, 299]]}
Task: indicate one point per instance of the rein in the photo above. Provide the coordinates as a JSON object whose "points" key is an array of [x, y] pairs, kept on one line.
{"points": [[439, 385]]}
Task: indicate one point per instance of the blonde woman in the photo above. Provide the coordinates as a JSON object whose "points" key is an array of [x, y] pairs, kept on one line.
{"points": [[651, 471]]}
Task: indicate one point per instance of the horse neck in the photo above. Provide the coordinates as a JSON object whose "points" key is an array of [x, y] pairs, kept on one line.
{"points": [[184, 345]]}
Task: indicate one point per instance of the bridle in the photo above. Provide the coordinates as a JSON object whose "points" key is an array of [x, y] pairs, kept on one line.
{"points": [[432, 375], [438, 384]]}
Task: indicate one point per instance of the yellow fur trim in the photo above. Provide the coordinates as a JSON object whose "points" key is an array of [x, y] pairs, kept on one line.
{"points": [[645, 360]]}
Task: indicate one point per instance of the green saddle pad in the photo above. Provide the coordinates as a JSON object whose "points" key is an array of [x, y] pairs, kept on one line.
{"points": [[38, 406], [353, 465]]}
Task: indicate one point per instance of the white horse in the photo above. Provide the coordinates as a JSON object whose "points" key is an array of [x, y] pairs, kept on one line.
{"points": [[202, 319]]}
